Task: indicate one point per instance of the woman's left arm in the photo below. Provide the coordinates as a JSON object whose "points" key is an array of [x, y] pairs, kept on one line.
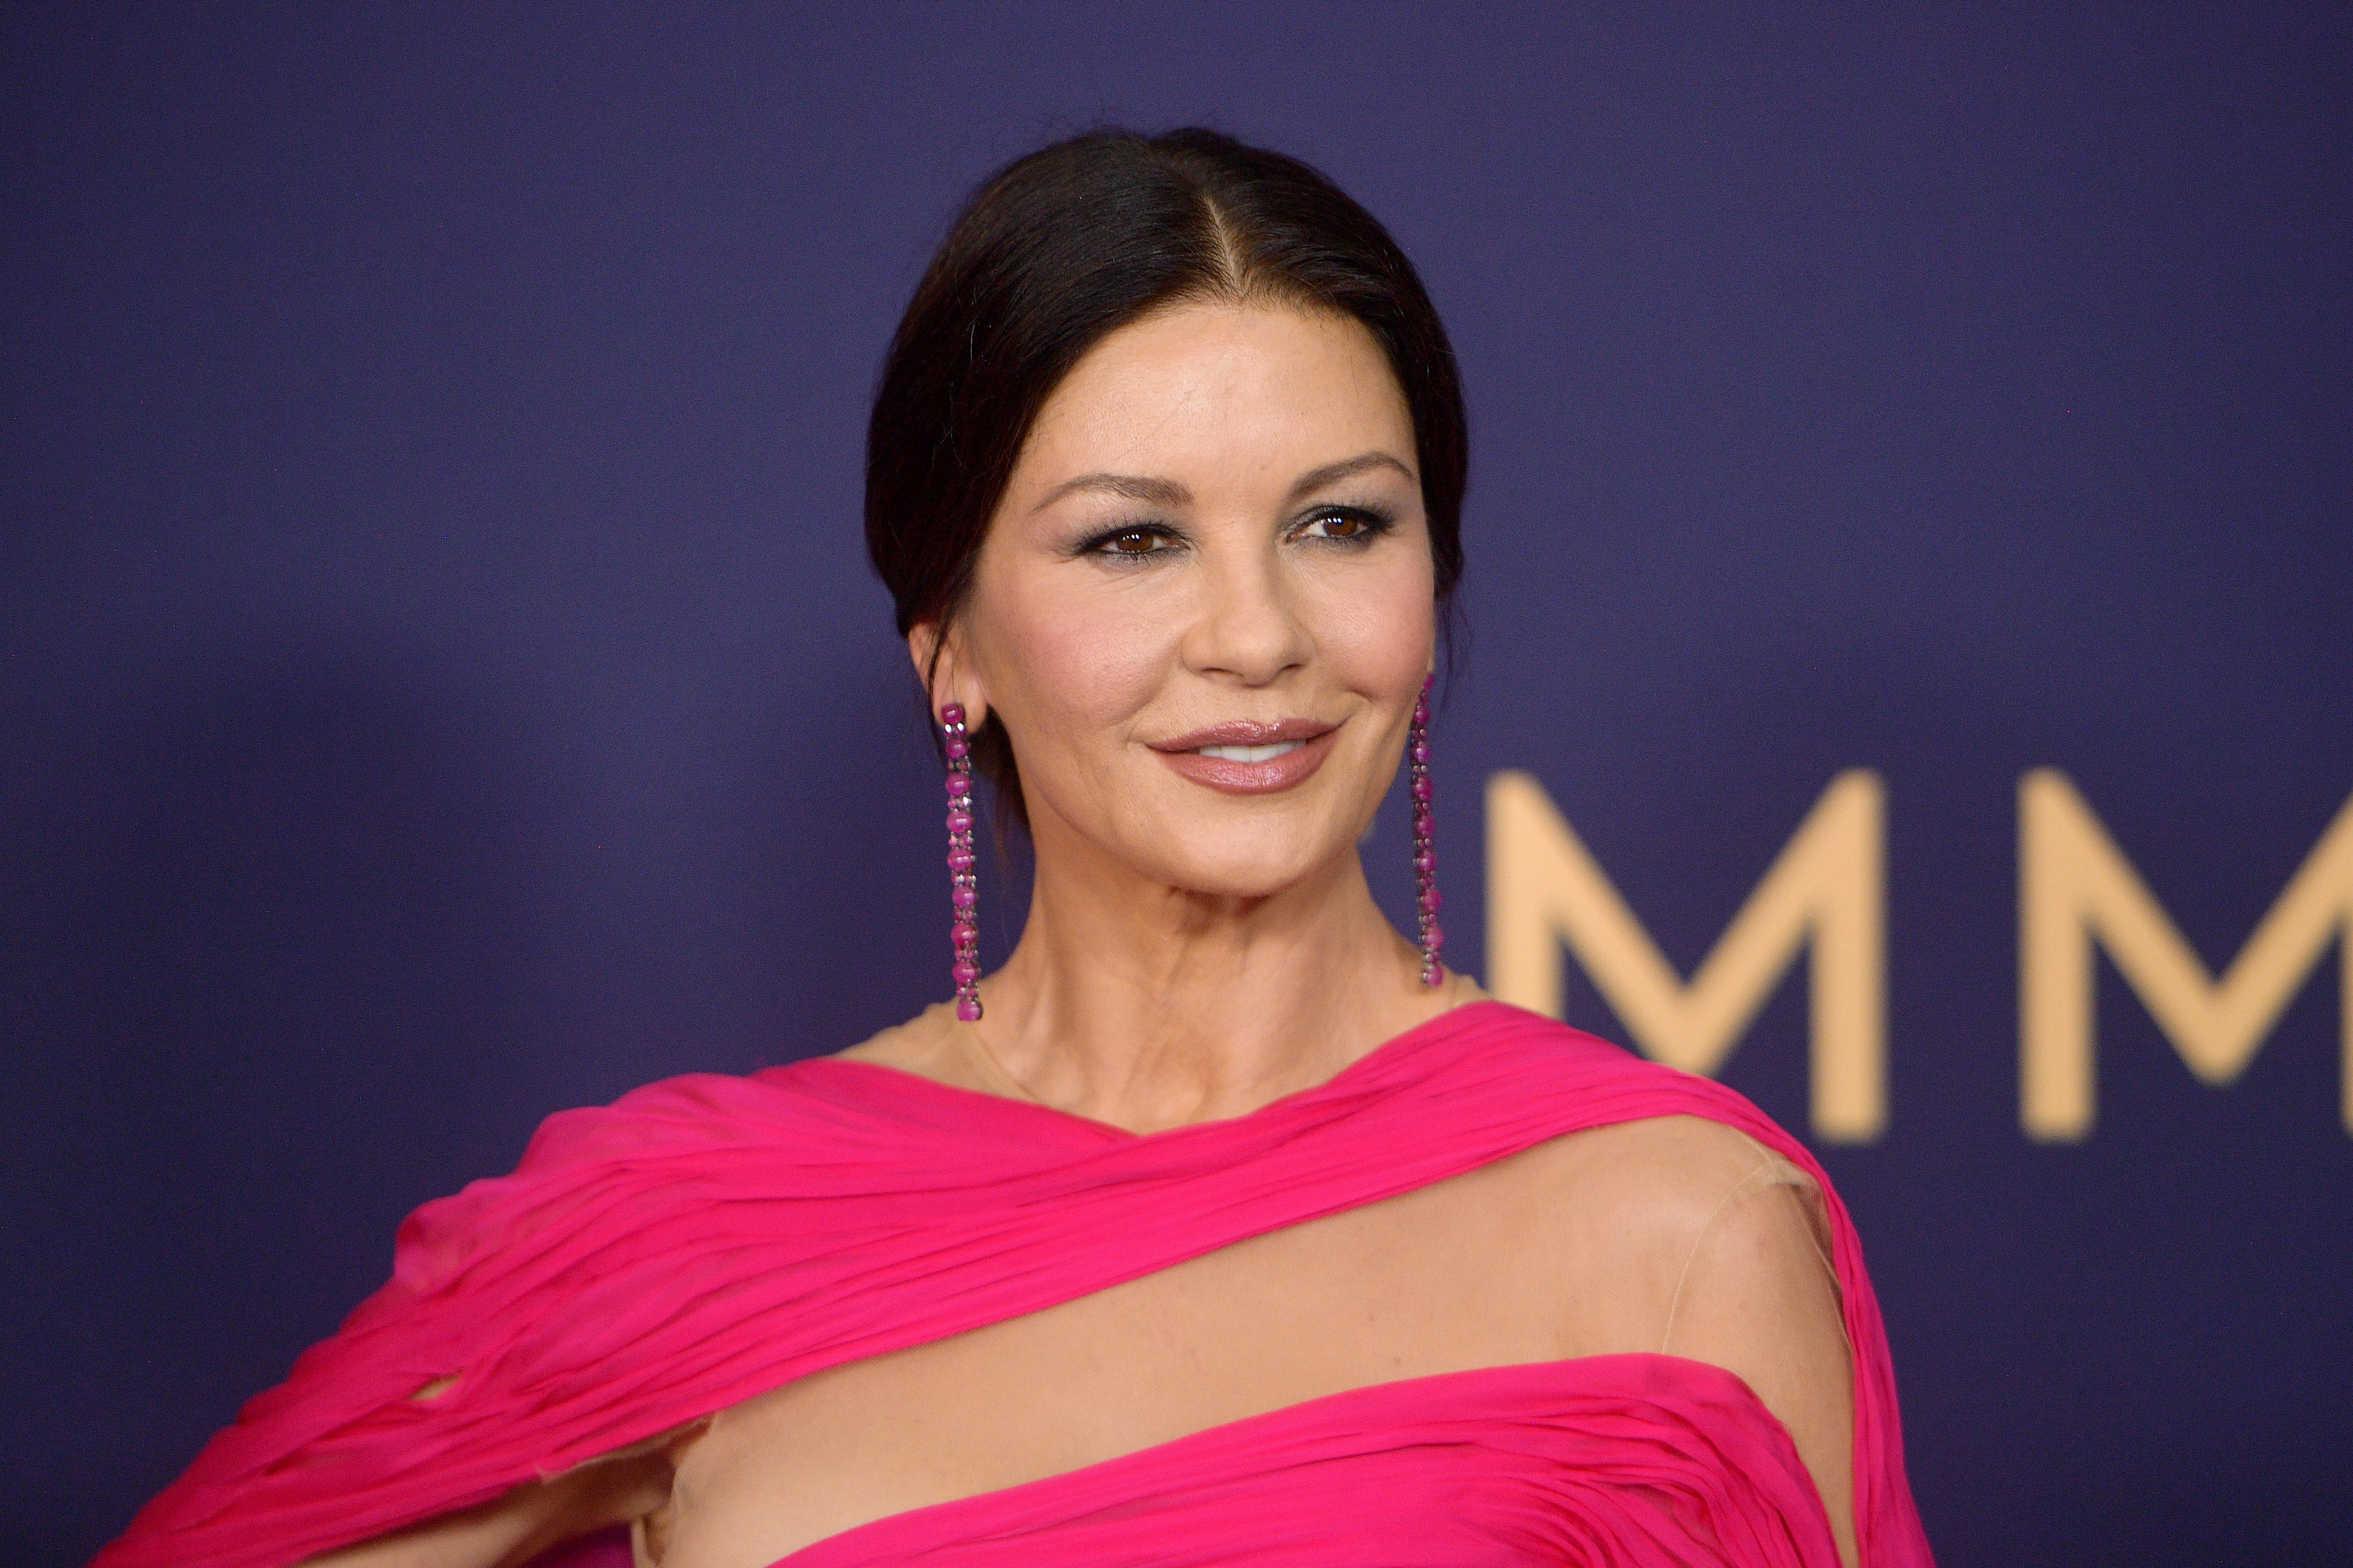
{"points": [[1757, 1297]]}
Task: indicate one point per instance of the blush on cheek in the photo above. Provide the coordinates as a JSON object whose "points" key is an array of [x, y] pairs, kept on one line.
{"points": [[1383, 643], [1071, 669]]}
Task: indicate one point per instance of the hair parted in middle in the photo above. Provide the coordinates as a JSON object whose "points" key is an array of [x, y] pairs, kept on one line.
{"points": [[1062, 247]]}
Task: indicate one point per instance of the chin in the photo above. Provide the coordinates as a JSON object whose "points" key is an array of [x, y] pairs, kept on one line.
{"points": [[1245, 870]]}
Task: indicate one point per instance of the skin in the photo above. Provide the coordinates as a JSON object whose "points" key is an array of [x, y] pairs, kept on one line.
{"points": [[1216, 516], [1192, 954]]}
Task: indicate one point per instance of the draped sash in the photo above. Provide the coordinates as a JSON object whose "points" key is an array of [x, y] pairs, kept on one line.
{"points": [[708, 1239]]}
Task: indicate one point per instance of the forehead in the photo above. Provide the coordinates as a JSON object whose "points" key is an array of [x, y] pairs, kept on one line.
{"points": [[1217, 384]]}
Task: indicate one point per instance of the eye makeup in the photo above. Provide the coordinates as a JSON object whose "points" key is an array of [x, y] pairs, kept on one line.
{"points": [[1161, 538], [1368, 523], [1143, 540]]}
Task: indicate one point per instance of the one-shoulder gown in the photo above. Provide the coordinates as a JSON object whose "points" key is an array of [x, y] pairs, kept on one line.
{"points": [[708, 1238]]}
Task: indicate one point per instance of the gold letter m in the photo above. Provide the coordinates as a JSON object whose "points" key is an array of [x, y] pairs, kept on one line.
{"points": [[1545, 888], [2075, 884]]}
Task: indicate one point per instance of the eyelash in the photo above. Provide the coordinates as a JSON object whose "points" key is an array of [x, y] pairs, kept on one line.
{"points": [[1375, 522]]}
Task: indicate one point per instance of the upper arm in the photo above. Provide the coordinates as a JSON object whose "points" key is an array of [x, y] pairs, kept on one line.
{"points": [[479, 1537], [522, 1524], [1757, 1296], [1690, 1238]]}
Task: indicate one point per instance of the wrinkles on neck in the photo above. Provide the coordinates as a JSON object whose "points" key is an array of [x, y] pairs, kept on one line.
{"points": [[1154, 1007]]}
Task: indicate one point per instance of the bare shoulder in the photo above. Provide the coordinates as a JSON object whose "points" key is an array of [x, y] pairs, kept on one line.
{"points": [[1650, 1188], [1680, 1234], [925, 1046], [1693, 1240]]}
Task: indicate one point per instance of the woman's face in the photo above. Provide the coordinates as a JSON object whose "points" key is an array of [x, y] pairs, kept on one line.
{"points": [[1204, 608]]}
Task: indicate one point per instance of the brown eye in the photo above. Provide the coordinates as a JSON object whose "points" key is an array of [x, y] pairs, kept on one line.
{"points": [[1134, 541], [1344, 527]]}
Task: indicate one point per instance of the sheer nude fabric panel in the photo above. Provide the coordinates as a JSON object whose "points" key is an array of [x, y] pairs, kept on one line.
{"points": [[1758, 1294], [1672, 1235]]}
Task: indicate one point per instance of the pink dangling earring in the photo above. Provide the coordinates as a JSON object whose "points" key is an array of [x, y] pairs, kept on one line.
{"points": [[964, 884], [1425, 858]]}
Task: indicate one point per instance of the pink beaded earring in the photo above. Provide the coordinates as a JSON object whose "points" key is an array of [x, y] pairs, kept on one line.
{"points": [[1425, 858], [964, 884]]}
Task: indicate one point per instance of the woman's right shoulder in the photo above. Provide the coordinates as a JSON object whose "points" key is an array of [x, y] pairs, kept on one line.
{"points": [[929, 1046], [918, 1045], [701, 1111], [660, 1144]]}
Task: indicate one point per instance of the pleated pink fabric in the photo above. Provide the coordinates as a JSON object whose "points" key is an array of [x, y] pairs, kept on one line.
{"points": [[708, 1238]]}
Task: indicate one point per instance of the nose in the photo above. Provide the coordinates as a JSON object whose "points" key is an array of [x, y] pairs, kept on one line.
{"points": [[1247, 628]]}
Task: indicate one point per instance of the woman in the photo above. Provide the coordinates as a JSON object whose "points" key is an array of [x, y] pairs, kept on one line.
{"points": [[1221, 1224]]}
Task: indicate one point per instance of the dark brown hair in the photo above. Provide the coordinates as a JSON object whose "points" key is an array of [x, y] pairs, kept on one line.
{"points": [[1060, 248]]}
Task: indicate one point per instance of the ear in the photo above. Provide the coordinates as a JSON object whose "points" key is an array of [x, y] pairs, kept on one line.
{"points": [[951, 678]]}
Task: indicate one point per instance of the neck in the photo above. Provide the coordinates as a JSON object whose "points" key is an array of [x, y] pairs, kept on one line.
{"points": [[1153, 1007]]}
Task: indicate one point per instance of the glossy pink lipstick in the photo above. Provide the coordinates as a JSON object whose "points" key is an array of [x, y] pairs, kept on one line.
{"points": [[1247, 757]]}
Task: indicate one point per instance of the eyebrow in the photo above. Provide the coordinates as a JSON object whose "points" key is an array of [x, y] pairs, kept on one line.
{"points": [[1346, 467], [1168, 493], [1134, 486]]}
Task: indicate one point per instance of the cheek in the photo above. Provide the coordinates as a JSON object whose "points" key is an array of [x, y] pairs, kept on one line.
{"points": [[1075, 662], [1380, 635]]}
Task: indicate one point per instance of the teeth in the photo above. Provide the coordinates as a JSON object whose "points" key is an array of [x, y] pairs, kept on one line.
{"points": [[1250, 753]]}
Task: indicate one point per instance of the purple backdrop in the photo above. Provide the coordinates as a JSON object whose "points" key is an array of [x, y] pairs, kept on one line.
{"points": [[442, 683]]}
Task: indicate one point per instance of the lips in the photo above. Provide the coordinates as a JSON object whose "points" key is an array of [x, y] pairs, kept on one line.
{"points": [[1245, 756]]}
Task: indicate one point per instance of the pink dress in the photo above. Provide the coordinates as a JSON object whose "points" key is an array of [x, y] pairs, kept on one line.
{"points": [[706, 1239]]}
